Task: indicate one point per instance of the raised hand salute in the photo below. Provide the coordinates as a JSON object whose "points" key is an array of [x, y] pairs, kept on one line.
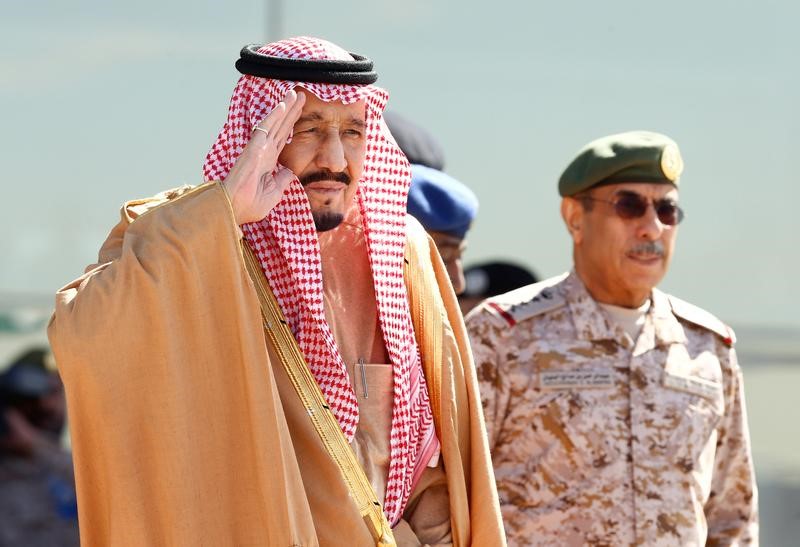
{"points": [[253, 184]]}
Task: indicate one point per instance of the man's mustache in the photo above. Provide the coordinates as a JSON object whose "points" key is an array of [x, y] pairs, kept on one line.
{"points": [[319, 176], [655, 248]]}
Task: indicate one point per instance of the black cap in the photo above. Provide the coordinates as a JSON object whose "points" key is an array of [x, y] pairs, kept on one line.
{"points": [[493, 278], [417, 144]]}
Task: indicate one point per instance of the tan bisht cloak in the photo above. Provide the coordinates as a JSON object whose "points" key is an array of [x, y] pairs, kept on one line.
{"points": [[184, 429]]}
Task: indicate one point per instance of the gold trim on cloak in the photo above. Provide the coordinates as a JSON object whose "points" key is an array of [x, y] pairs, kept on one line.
{"points": [[325, 423]]}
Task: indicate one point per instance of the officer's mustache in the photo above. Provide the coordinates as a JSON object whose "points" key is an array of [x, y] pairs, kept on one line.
{"points": [[324, 174], [648, 248]]}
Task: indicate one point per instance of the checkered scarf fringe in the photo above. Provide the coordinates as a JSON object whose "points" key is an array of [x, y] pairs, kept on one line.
{"points": [[287, 248]]}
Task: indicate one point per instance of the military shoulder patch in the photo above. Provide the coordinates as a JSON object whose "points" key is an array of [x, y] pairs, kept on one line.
{"points": [[702, 318], [529, 301]]}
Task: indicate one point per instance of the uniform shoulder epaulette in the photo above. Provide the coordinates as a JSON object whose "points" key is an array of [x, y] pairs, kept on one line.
{"points": [[700, 317], [526, 302]]}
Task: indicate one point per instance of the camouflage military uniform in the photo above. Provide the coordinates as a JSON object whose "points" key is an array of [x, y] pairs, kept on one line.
{"points": [[600, 440]]}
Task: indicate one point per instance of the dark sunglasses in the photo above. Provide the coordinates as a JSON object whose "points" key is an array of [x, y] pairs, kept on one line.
{"points": [[630, 205]]}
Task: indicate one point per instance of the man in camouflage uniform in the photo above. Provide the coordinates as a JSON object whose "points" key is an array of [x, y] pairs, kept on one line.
{"points": [[615, 412]]}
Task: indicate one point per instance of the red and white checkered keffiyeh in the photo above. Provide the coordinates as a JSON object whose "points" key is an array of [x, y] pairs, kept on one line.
{"points": [[287, 247]]}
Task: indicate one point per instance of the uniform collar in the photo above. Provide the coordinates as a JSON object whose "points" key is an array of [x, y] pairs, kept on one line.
{"points": [[661, 327], [662, 324], [591, 322]]}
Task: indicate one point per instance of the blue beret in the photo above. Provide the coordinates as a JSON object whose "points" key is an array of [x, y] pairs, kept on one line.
{"points": [[440, 202]]}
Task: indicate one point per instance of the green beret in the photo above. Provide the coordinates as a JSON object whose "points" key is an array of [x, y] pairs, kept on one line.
{"points": [[635, 156]]}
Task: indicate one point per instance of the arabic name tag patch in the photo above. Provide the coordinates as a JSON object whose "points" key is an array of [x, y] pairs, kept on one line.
{"points": [[695, 386], [575, 379]]}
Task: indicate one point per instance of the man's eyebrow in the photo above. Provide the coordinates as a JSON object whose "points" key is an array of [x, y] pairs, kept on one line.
{"points": [[313, 117], [446, 240], [627, 193], [358, 122]]}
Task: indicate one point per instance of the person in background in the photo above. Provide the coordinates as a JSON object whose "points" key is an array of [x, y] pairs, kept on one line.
{"points": [[616, 412], [490, 279], [37, 492], [446, 208]]}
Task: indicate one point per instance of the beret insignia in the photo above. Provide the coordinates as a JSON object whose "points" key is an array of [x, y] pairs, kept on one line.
{"points": [[671, 162]]}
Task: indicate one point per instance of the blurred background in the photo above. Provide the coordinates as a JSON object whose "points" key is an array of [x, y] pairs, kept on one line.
{"points": [[102, 102]]}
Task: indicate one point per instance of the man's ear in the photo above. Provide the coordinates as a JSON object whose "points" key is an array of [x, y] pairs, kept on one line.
{"points": [[572, 212]]}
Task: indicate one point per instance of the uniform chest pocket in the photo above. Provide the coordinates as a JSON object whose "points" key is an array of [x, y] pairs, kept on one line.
{"points": [[561, 440], [699, 405]]}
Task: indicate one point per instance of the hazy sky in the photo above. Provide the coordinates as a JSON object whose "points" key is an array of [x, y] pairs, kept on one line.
{"points": [[107, 101]]}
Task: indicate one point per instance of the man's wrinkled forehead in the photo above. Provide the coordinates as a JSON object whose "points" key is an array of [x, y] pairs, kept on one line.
{"points": [[316, 110]]}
